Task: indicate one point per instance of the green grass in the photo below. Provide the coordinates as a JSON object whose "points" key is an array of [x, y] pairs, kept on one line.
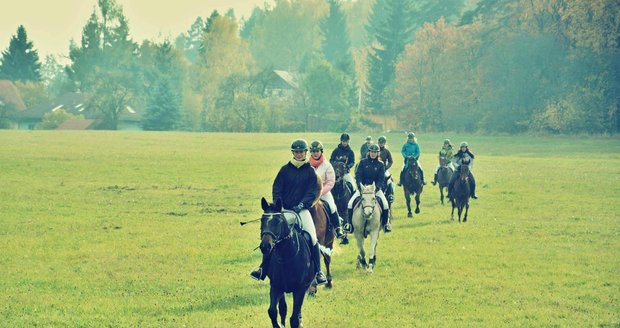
{"points": [[142, 229]]}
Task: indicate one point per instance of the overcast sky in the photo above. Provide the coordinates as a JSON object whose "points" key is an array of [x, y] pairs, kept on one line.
{"points": [[50, 24]]}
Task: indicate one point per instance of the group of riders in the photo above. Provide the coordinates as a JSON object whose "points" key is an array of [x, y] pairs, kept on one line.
{"points": [[296, 184]]}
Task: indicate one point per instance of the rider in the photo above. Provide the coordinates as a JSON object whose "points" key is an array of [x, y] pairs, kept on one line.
{"points": [[296, 186], [364, 148], [386, 157], [410, 148], [371, 170], [345, 154], [463, 156], [326, 171], [446, 151]]}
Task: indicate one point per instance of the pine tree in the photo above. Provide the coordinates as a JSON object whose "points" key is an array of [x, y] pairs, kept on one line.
{"points": [[336, 45], [20, 62]]}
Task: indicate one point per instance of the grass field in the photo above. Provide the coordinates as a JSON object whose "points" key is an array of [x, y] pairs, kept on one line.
{"points": [[126, 229]]}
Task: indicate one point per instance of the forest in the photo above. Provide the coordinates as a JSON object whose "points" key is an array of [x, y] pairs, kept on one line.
{"points": [[486, 66]]}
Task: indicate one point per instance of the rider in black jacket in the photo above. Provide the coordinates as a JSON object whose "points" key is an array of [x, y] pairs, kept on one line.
{"points": [[344, 153], [463, 156], [371, 170]]}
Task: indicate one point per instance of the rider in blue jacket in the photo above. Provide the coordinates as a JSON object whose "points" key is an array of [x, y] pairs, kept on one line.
{"points": [[410, 148]]}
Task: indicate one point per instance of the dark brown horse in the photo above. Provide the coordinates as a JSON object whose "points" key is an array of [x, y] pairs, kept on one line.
{"points": [[443, 175], [341, 192], [461, 192], [412, 184], [290, 269]]}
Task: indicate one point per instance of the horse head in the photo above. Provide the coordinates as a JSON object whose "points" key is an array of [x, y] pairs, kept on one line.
{"points": [[464, 176], [412, 167], [443, 161], [273, 226], [340, 169], [368, 200]]}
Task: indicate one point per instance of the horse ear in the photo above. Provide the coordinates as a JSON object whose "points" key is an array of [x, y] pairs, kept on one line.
{"points": [[279, 204], [264, 204]]}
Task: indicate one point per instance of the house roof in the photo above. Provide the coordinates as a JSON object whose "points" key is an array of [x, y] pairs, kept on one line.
{"points": [[287, 77], [10, 94], [71, 102], [77, 124]]}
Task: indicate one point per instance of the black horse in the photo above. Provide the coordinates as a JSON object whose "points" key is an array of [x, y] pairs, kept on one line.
{"points": [[443, 175], [412, 184], [341, 192], [461, 192], [290, 268]]}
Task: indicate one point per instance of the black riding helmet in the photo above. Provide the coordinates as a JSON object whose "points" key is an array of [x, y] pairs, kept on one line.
{"points": [[345, 137], [373, 148], [299, 145], [382, 139], [316, 145]]}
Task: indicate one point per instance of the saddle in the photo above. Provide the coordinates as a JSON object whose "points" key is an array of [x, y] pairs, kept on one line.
{"points": [[359, 198]]}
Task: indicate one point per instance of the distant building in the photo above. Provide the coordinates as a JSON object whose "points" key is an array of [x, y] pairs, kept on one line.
{"points": [[10, 95], [76, 103], [282, 84]]}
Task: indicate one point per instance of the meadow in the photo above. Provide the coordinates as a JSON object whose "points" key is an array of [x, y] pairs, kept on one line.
{"points": [[141, 229]]}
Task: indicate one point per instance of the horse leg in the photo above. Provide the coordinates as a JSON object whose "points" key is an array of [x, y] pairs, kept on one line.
{"points": [[298, 301], [274, 296], [453, 206], [374, 240], [441, 194], [466, 211], [361, 257], [460, 211], [417, 203], [282, 308], [408, 201], [327, 259]]}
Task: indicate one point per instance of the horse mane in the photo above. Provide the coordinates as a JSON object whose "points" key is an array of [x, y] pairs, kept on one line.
{"points": [[319, 186]]}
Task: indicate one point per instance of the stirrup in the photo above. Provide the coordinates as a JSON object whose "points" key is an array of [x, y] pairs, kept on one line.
{"points": [[387, 228], [320, 278], [474, 196], [348, 227], [339, 233]]}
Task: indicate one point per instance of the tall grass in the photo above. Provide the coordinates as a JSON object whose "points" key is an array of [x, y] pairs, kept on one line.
{"points": [[142, 229]]}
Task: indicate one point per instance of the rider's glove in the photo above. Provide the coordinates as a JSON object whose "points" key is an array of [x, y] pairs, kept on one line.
{"points": [[298, 208]]}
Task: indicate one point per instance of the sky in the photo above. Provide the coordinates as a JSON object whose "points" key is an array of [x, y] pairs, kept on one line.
{"points": [[51, 24]]}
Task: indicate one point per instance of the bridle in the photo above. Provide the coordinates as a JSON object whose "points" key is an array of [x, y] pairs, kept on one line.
{"points": [[277, 239], [374, 202]]}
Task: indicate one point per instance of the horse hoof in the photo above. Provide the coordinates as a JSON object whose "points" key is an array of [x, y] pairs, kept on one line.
{"points": [[417, 211], [409, 215]]}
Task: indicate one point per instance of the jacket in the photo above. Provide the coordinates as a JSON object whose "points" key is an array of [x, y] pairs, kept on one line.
{"points": [[344, 154], [295, 185], [410, 148], [370, 170], [461, 157], [386, 157], [326, 172]]}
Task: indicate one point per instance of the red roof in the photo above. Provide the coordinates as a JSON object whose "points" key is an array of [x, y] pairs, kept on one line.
{"points": [[10, 94], [76, 124]]}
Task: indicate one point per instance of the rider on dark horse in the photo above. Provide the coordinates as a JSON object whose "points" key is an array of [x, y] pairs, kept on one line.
{"points": [[370, 170], [386, 157], [296, 185], [326, 171], [463, 156], [410, 148], [344, 153], [445, 152]]}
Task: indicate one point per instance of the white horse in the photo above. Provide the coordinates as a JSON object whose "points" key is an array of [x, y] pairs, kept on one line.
{"points": [[367, 221]]}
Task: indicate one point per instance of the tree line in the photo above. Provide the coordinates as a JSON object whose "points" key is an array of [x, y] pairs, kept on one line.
{"points": [[490, 65]]}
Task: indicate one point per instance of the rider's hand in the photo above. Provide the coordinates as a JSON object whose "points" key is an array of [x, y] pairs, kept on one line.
{"points": [[297, 208]]}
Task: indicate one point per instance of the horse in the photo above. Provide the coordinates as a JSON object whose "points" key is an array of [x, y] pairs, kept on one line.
{"points": [[325, 235], [341, 192], [461, 193], [443, 175], [412, 184], [367, 221], [290, 269]]}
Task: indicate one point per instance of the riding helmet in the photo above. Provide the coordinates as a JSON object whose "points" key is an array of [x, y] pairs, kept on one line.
{"points": [[446, 141], [316, 145], [464, 144], [299, 145], [368, 138], [345, 137], [382, 139], [410, 135], [373, 148]]}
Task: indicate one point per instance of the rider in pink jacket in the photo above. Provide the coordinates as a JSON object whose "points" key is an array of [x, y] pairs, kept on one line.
{"points": [[325, 171]]}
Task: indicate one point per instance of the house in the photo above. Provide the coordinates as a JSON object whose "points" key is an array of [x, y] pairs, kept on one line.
{"points": [[10, 95], [76, 103], [78, 124], [281, 84]]}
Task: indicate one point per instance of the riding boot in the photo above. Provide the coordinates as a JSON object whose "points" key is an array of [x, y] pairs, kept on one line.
{"points": [[422, 175], [472, 186], [451, 184], [335, 220], [261, 272], [401, 178], [316, 257], [348, 226], [385, 217], [434, 179]]}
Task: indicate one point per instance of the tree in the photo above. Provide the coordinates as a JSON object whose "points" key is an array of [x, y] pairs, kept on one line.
{"points": [[326, 89], [54, 119], [8, 115], [105, 62], [336, 46], [191, 42], [20, 61]]}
